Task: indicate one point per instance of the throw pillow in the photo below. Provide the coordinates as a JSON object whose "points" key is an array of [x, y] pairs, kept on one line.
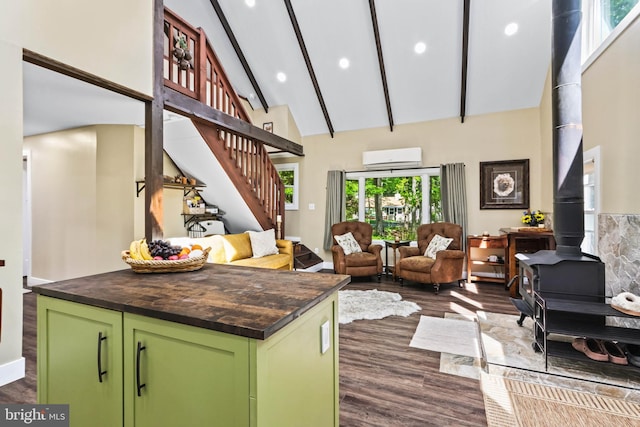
{"points": [[263, 243], [437, 244], [348, 243], [236, 246]]}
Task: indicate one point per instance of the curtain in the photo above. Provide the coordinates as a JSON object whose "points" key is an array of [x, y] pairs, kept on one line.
{"points": [[336, 204], [454, 196]]}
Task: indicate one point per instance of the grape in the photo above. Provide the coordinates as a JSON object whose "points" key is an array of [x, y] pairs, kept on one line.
{"points": [[163, 249]]}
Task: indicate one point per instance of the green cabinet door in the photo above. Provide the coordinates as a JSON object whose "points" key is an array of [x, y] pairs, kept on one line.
{"points": [[80, 361], [178, 375]]}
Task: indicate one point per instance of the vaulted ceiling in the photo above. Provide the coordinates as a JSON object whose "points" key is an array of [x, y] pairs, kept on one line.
{"points": [[503, 72]]}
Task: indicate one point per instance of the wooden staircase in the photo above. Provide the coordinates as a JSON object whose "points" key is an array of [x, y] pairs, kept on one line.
{"points": [[196, 86], [304, 258]]}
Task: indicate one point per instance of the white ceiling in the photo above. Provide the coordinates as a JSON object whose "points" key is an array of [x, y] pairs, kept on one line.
{"points": [[504, 73], [53, 102]]}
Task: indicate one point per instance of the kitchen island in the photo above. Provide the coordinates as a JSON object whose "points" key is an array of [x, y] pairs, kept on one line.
{"points": [[221, 346]]}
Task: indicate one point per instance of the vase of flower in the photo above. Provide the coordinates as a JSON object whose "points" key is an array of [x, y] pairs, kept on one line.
{"points": [[533, 218]]}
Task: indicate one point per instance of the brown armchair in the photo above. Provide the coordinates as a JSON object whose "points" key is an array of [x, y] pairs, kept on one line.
{"points": [[445, 268], [365, 263]]}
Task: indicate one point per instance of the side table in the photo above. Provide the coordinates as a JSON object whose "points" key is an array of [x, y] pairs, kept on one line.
{"points": [[485, 242], [393, 244]]}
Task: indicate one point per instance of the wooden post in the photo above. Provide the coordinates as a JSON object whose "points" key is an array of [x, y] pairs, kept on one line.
{"points": [[153, 135]]}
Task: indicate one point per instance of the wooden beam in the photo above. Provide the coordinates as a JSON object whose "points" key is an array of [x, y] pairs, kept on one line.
{"points": [[465, 58], [153, 135], [307, 60], [189, 107], [383, 74], [75, 73], [236, 47]]}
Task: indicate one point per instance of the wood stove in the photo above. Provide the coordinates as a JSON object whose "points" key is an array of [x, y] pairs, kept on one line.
{"points": [[563, 277], [579, 278], [565, 273], [546, 276]]}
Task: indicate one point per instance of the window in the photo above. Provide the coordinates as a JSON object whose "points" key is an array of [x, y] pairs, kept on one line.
{"points": [[394, 202], [289, 175], [599, 20], [591, 183]]}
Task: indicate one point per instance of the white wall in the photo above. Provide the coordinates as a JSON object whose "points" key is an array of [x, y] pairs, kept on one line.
{"points": [[102, 38], [111, 39], [82, 183], [501, 136], [11, 364], [611, 113]]}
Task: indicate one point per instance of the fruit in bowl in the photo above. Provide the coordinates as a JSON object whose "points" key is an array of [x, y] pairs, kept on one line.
{"points": [[159, 250]]}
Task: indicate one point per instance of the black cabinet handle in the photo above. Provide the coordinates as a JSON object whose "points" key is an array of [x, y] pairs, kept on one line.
{"points": [[138, 385], [100, 371]]}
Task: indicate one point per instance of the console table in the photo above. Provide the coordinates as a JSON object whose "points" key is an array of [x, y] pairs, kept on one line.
{"points": [[523, 240]]}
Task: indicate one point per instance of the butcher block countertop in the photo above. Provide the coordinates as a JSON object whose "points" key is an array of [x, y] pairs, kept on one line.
{"points": [[244, 301]]}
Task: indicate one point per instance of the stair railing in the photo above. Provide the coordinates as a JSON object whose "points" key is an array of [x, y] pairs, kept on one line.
{"points": [[200, 75]]}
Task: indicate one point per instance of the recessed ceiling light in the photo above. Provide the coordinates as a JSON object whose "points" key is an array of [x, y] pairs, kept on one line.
{"points": [[250, 3], [511, 29], [344, 63], [252, 96], [420, 48], [282, 77]]}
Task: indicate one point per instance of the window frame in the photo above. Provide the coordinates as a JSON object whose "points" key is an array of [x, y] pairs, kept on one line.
{"points": [[593, 156], [592, 48], [425, 173], [294, 205]]}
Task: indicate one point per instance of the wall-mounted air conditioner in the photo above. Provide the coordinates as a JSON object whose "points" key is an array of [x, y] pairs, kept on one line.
{"points": [[393, 159]]}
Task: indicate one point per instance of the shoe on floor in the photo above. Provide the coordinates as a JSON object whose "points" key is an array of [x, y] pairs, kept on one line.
{"points": [[615, 353], [633, 354], [591, 348], [627, 303]]}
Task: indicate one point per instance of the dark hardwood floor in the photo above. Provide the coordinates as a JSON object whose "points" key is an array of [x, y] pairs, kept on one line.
{"points": [[24, 390], [383, 381]]}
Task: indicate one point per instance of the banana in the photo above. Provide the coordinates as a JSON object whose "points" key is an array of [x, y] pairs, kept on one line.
{"points": [[134, 250], [144, 250]]}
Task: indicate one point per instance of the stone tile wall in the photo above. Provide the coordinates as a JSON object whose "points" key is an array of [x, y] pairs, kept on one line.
{"points": [[619, 249]]}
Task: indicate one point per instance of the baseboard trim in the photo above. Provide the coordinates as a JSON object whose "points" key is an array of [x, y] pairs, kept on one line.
{"points": [[12, 371]]}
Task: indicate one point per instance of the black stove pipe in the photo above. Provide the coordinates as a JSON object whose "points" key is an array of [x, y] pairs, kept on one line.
{"points": [[568, 191]]}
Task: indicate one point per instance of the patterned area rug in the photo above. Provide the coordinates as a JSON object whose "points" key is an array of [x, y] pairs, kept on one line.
{"points": [[516, 403], [507, 351], [372, 304], [519, 391]]}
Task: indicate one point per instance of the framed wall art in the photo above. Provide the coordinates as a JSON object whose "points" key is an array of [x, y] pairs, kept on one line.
{"points": [[268, 126], [504, 184]]}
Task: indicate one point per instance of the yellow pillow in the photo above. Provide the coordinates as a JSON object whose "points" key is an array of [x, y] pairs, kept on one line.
{"points": [[237, 246], [217, 254]]}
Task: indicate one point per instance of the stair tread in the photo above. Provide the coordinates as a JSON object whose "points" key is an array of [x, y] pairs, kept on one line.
{"points": [[305, 258]]}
